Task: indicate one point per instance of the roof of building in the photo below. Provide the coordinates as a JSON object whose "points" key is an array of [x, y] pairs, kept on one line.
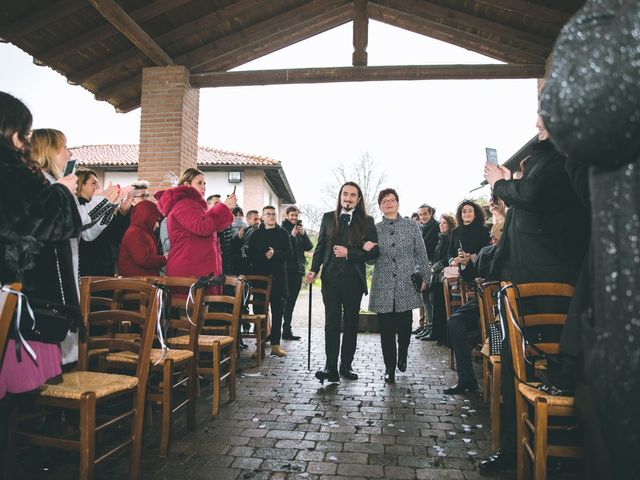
{"points": [[126, 156], [104, 45]]}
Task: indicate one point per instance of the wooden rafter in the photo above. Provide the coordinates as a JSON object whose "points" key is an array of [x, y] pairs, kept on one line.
{"points": [[454, 36], [533, 43], [50, 12], [531, 10], [106, 31], [360, 33], [111, 11], [365, 74], [251, 49], [295, 19]]}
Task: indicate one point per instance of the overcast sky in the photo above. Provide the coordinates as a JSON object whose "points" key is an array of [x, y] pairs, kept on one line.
{"points": [[428, 137]]}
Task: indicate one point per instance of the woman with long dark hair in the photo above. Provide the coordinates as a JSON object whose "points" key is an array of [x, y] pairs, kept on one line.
{"points": [[32, 212], [471, 234]]}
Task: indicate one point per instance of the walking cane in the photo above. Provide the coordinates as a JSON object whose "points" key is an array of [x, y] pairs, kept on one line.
{"points": [[309, 335]]}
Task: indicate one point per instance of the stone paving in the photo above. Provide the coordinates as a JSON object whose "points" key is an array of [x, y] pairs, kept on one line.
{"points": [[284, 425]]}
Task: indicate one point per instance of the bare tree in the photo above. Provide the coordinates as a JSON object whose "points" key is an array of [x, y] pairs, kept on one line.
{"points": [[365, 173], [312, 216]]}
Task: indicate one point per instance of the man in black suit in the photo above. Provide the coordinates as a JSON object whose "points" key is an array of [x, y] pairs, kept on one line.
{"points": [[339, 252]]}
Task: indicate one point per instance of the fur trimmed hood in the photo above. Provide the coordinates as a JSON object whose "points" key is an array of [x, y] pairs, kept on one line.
{"points": [[167, 199]]}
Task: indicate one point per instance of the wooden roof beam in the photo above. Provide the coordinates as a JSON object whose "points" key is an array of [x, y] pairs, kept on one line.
{"points": [[44, 15], [452, 35], [365, 74], [111, 11], [533, 43], [360, 34], [106, 31], [294, 19], [531, 10], [164, 39]]}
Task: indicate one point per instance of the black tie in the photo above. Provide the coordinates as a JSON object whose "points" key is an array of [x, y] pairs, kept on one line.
{"points": [[345, 218]]}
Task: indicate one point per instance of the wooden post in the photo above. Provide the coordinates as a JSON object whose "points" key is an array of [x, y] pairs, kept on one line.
{"points": [[360, 34]]}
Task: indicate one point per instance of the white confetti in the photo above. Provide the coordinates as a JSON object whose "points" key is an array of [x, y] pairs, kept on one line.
{"points": [[441, 454], [391, 425], [453, 434], [466, 440], [479, 426], [255, 419], [262, 426], [472, 453], [401, 431], [333, 459]]}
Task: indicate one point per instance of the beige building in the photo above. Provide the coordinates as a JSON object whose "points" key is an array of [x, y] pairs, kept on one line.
{"points": [[258, 180]]}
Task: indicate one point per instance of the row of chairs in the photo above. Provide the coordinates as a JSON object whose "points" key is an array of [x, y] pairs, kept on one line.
{"points": [[546, 424], [119, 370]]}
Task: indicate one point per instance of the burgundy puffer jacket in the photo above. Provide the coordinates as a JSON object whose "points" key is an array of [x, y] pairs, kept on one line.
{"points": [[138, 250], [195, 250]]}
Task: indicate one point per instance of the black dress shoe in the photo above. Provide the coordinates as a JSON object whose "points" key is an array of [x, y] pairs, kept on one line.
{"points": [[330, 376], [417, 331], [428, 338], [390, 377], [290, 336], [423, 333], [497, 462], [402, 364], [348, 373], [461, 388]]}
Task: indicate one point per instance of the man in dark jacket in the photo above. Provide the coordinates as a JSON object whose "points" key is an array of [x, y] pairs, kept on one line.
{"points": [[296, 266], [343, 233], [544, 240], [429, 228], [269, 250]]}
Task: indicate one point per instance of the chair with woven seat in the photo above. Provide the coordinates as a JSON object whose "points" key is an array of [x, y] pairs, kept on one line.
{"points": [[8, 303], [171, 370], [259, 296], [104, 400], [540, 416], [491, 366], [216, 344], [452, 300]]}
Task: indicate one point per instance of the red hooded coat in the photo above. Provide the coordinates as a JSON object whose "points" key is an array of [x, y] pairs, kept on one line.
{"points": [[195, 250], [138, 251]]}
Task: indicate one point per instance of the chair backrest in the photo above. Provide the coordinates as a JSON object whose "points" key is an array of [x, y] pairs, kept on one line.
{"points": [[259, 292], [551, 306], [221, 315], [92, 315], [486, 301], [186, 313], [467, 290], [451, 295], [8, 303]]}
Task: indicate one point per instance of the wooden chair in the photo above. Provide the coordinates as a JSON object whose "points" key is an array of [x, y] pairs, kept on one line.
{"points": [[491, 367], [101, 398], [534, 408], [217, 354], [171, 370], [259, 296], [8, 303]]}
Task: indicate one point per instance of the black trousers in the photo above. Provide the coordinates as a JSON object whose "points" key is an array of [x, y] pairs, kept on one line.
{"points": [[460, 324], [341, 300], [394, 325], [439, 317], [277, 310], [294, 282]]}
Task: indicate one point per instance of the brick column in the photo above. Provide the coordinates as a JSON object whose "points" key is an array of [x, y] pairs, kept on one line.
{"points": [[253, 190], [168, 124]]}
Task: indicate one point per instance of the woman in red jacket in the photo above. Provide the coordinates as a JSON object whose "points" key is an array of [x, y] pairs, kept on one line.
{"points": [[138, 249], [195, 250]]}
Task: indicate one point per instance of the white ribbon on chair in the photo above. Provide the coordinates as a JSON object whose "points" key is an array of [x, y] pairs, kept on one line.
{"points": [[21, 339], [190, 299], [163, 345]]}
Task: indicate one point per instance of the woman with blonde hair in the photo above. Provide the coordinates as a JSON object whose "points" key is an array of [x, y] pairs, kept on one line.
{"points": [[57, 267], [193, 227]]}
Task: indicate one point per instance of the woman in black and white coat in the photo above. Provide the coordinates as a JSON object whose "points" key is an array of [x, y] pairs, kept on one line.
{"points": [[393, 296]]}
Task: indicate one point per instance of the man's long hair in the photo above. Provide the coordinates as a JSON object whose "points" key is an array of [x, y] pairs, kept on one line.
{"points": [[358, 226]]}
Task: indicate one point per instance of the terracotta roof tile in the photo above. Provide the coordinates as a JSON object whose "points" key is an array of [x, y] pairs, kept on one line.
{"points": [[127, 156]]}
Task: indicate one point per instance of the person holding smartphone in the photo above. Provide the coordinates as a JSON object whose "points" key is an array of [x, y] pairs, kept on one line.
{"points": [[471, 234], [296, 266]]}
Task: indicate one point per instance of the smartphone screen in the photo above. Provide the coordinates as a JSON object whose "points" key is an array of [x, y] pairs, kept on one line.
{"points": [[70, 167], [492, 155], [299, 223]]}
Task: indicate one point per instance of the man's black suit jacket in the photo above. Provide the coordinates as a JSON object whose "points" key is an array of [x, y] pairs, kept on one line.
{"points": [[357, 256]]}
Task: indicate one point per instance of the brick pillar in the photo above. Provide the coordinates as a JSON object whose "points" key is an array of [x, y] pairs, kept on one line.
{"points": [[253, 190], [168, 124]]}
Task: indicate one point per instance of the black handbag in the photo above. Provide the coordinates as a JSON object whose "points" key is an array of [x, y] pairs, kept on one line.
{"points": [[49, 321], [416, 279]]}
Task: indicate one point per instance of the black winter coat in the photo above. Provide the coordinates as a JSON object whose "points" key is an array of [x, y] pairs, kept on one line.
{"points": [[440, 258], [473, 237], [546, 230], [357, 256], [297, 264], [591, 107], [430, 231], [258, 244], [32, 212]]}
